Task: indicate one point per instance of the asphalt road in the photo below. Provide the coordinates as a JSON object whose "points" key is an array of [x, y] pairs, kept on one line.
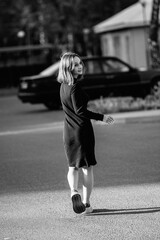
{"points": [[34, 195]]}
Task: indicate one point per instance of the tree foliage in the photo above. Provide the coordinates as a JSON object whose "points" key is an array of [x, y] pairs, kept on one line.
{"points": [[53, 21]]}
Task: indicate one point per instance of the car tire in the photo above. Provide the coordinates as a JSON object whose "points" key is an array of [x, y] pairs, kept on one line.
{"points": [[52, 105], [155, 85]]}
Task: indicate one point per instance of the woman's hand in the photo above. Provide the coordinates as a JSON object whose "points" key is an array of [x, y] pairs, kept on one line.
{"points": [[108, 119]]}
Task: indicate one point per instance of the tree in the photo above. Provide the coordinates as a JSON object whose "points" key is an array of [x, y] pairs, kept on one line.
{"points": [[60, 22]]}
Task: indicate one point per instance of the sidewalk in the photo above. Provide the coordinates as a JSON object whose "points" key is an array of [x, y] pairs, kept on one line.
{"points": [[136, 116]]}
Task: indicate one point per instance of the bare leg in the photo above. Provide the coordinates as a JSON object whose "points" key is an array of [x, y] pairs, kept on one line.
{"points": [[73, 177], [88, 181]]}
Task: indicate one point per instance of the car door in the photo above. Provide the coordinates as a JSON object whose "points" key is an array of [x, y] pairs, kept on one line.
{"points": [[110, 77], [123, 80], [94, 82]]}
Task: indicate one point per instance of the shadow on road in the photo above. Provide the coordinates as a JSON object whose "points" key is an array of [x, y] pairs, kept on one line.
{"points": [[98, 212]]}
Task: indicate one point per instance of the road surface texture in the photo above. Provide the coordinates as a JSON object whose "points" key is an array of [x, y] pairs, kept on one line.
{"points": [[34, 195]]}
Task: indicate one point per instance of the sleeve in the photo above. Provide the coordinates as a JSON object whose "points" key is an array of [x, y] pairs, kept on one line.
{"points": [[80, 105]]}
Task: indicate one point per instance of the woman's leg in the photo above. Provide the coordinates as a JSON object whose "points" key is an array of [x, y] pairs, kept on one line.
{"points": [[73, 177], [88, 181]]}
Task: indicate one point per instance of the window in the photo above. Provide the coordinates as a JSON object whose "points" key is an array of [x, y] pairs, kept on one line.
{"points": [[104, 66]]}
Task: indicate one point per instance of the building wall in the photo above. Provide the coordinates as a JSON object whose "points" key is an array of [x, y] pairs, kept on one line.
{"points": [[139, 47], [129, 45]]}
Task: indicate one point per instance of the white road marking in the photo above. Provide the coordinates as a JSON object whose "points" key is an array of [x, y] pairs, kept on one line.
{"points": [[56, 126]]}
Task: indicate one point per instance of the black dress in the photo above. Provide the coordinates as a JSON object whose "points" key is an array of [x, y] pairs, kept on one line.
{"points": [[78, 136]]}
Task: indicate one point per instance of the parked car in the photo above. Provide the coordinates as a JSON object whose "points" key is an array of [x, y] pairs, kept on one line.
{"points": [[104, 76]]}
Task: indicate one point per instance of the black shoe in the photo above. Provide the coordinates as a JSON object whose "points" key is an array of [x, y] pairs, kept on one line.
{"points": [[78, 206]]}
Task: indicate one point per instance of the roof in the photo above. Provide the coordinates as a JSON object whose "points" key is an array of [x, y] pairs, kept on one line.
{"points": [[134, 16]]}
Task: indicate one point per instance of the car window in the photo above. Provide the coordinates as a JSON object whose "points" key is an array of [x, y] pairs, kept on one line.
{"points": [[104, 66], [115, 66], [92, 67]]}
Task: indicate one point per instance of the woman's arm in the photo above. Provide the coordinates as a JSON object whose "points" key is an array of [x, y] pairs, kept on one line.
{"points": [[80, 106]]}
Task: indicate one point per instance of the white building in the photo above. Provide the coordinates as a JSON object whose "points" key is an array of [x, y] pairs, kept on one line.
{"points": [[125, 34]]}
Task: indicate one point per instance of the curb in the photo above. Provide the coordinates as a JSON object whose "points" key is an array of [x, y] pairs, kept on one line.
{"points": [[143, 119], [139, 116], [135, 117]]}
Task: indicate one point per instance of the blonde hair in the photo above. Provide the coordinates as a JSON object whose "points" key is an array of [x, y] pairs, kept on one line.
{"points": [[66, 68]]}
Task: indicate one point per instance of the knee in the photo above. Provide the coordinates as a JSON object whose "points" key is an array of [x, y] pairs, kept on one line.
{"points": [[87, 170], [73, 169]]}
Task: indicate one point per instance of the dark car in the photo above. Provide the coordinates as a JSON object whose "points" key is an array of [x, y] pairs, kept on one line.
{"points": [[104, 76]]}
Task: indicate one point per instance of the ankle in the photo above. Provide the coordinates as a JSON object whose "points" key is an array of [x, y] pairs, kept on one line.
{"points": [[73, 192], [87, 205]]}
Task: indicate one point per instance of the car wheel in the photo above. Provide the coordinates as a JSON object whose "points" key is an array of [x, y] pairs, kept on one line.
{"points": [[155, 86], [52, 105]]}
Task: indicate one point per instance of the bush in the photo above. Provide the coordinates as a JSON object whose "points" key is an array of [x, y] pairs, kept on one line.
{"points": [[123, 104]]}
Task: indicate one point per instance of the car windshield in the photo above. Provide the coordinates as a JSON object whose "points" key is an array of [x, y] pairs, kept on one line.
{"points": [[104, 66]]}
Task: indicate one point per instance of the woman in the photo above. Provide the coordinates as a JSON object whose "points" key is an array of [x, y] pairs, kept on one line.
{"points": [[78, 133]]}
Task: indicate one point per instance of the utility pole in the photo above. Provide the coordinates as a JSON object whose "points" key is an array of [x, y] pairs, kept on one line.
{"points": [[144, 6], [153, 35]]}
